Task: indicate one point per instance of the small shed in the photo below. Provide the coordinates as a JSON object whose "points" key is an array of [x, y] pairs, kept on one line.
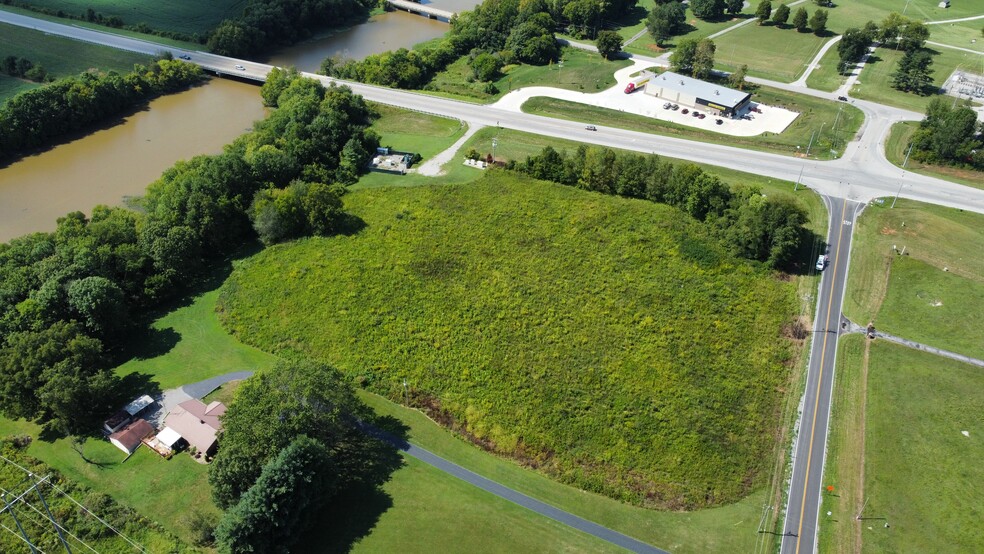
{"points": [[130, 437], [138, 405], [116, 422]]}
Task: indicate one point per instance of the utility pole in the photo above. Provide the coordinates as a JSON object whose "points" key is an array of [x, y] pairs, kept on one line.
{"points": [[406, 393], [798, 180], [10, 509], [836, 119], [813, 134], [61, 537], [898, 192]]}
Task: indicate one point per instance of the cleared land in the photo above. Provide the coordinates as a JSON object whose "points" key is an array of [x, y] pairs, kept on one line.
{"points": [[571, 330], [409, 131], [875, 81], [757, 46], [793, 141], [182, 16], [826, 77], [898, 144], [63, 56], [581, 70], [911, 295], [922, 475]]}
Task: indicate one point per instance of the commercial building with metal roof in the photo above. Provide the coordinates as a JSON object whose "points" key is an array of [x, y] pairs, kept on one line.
{"points": [[695, 93]]}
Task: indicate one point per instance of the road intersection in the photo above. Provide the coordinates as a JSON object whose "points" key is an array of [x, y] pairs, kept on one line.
{"points": [[846, 184]]}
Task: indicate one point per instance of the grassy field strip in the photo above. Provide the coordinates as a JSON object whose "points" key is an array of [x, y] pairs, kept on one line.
{"points": [[897, 145], [826, 77], [63, 56], [183, 16], [923, 476], [844, 469], [754, 45], [911, 296], [794, 140], [12, 86]]}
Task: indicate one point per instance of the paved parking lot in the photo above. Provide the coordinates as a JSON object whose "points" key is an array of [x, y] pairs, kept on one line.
{"points": [[771, 119]]}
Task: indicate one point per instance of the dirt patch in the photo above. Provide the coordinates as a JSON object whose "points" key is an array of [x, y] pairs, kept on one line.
{"points": [[798, 329], [888, 231]]}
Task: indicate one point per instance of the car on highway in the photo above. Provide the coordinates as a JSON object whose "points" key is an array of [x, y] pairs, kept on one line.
{"points": [[590, 128], [842, 98], [184, 57], [822, 262], [240, 68]]}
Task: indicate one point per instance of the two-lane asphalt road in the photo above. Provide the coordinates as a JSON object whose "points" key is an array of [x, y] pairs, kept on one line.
{"points": [[809, 452]]}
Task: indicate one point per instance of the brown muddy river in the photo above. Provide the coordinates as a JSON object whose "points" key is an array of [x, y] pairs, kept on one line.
{"points": [[110, 164]]}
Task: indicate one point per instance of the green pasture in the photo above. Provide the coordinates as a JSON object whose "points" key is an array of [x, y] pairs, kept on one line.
{"points": [[897, 146], [911, 295], [182, 16], [855, 13], [63, 56], [825, 76], [793, 141], [963, 34], [771, 52], [923, 477], [12, 86], [875, 81], [581, 70]]}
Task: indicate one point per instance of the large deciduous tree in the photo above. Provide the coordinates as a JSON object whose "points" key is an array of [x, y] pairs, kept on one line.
{"points": [[763, 11], [682, 58], [800, 20], [781, 15], [609, 44], [818, 22], [704, 58], [707, 9], [279, 507], [913, 73], [666, 20]]}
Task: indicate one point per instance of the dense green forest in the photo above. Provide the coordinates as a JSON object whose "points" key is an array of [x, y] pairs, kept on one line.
{"points": [[949, 135], [68, 298], [59, 494], [39, 117], [615, 344]]}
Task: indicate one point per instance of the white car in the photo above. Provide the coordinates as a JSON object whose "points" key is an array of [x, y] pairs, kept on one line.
{"points": [[822, 262], [240, 68]]}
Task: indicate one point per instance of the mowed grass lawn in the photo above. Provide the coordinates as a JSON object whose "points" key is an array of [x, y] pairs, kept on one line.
{"points": [[854, 14], [826, 77], [189, 345], [875, 81], [771, 52], [580, 70], [182, 16], [696, 28], [410, 131], [897, 146], [62, 56], [912, 296], [792, 141], [921, 473], [10, 87], [571, 330]]}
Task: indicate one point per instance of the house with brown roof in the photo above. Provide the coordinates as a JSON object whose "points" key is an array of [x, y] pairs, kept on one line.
{"points": [[197, 423], [130, 437]]}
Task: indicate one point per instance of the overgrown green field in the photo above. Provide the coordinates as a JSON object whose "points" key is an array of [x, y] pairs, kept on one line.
{"points": [[757, 46], [794, 140], [605, 341], [62, 56], [897, 146], [732, 527], [580, 70], [922, 475], [875, 81], [182, 16], [911, 295]]}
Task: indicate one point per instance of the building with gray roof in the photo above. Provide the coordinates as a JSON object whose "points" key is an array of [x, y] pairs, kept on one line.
{"points": [[695, 93]]}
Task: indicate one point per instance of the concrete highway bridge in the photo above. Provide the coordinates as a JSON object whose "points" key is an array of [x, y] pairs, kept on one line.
{"points": [[422, 9]]}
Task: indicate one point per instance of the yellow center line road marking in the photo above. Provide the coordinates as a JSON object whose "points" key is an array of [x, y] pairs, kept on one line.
{"points": [[816, 401]]}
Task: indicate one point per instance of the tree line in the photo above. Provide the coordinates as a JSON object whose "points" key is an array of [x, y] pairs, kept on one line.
{"points": [[68, 298], [39, 117], [496, 33], [767, 229], [668, 18], [24, 68], [949, 135], [266, 23]]}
